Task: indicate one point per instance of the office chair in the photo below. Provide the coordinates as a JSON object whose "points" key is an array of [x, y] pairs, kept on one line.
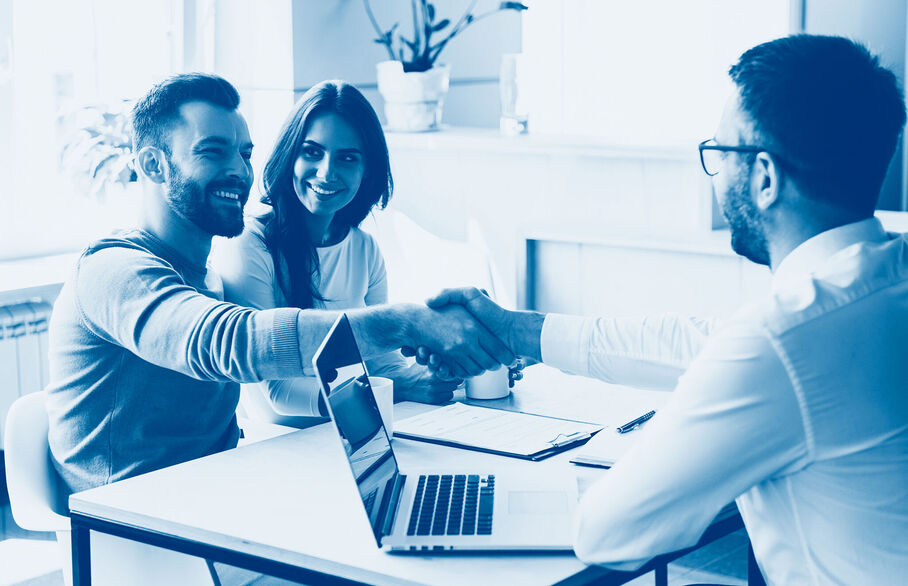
{"points": [[36, 496], [34, 486], [420, 264]]}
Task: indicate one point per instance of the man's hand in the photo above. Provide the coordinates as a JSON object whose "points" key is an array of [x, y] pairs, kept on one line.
{"points": [[519, 330], [458, 341], [497, 319]]}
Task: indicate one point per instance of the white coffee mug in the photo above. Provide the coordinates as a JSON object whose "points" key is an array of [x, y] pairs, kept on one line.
{"points": [[383, 389], [492, 384]]}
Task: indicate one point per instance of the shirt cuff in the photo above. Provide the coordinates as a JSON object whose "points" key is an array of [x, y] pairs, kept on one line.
{"points": [[564, 342]]}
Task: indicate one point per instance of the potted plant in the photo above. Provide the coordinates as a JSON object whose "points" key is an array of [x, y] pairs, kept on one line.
{"points": [[411, 83], [96, 150]]}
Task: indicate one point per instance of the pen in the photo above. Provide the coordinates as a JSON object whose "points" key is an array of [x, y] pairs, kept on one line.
{"points": [[635, 423]]}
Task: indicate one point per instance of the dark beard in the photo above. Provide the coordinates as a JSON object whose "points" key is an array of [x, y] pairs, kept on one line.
{"points": [[747, 235], [188, 199]]}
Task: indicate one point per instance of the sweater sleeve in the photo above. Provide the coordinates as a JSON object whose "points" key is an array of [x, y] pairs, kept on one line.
{"points": [[130, 297]]}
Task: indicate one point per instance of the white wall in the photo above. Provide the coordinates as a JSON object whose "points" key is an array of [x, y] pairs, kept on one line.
{"points": [[881, 25], [648, 72], [335, 40], [548, 188]]}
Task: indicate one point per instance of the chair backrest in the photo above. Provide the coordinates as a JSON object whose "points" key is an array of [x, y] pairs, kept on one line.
{"points": [[420, 264], [33, 483], [35, 489]]}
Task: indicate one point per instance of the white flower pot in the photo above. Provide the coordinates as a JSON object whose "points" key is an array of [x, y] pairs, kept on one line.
{"points": [[414, 100]]}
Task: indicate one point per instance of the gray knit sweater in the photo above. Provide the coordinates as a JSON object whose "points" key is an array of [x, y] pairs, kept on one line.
{"points": [[145, 359]]}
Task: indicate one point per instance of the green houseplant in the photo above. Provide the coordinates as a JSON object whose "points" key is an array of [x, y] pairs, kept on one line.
{"points": [[411, 82], [96, 150]]}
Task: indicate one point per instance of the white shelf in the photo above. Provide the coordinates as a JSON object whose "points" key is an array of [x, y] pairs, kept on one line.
{"points": [[489, 140], [715, 242]]}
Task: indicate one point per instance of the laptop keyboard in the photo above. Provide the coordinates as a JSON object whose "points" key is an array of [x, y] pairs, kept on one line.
{"points": [[453, 505]]}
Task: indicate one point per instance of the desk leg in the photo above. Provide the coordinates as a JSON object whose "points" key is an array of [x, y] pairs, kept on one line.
{"points": [[754, 575], [661, 572], [81, 553]]}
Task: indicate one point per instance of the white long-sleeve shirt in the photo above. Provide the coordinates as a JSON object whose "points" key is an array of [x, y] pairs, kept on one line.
{"points": [[796, 407]]}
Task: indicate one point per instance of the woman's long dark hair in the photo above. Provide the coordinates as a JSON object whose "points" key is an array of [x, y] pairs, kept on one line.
{"points": [[285, 227]]}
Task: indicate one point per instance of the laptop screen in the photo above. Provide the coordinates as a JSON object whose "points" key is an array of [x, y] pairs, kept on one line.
{"points": [[345, 387]]}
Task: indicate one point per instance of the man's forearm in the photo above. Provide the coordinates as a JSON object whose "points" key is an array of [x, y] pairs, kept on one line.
{"points": [[384, 328], [465, 345]]}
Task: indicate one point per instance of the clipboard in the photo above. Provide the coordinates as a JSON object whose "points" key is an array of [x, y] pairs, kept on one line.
{"points": [[506, 433]]}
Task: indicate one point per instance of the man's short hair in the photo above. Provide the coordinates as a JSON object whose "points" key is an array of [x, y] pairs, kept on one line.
{"points": [[155, 113], [828, 109]]}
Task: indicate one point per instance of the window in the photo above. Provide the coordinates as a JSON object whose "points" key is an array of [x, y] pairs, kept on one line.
{"points": [[54, 57]]}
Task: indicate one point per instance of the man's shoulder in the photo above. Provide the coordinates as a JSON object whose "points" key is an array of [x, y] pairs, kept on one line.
{"points": [[864, 274], [124, 241], [125, 252]]}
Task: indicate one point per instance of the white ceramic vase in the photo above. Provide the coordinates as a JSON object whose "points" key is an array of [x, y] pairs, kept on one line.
{"points": [[414, 100]]}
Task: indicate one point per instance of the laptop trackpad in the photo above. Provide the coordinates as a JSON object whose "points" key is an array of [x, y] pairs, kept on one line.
{"points": [[537, 501]]}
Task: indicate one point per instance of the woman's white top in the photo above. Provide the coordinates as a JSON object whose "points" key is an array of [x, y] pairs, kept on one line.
{"points": [[352, 276]]}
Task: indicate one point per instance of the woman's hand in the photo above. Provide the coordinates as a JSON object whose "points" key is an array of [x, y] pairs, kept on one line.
{"points": [[416, 383]]}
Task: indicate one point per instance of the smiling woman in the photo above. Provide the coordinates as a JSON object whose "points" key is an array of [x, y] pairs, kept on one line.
{"points": [[327, 173], [329, 169]]}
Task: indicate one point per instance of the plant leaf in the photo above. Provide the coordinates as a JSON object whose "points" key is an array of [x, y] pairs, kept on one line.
{"points": [[93, 172], [441, 25], [430, 8], [512, 6]]}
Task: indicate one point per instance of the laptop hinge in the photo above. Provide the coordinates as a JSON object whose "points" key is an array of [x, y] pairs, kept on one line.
{"points": [[390, 512]]}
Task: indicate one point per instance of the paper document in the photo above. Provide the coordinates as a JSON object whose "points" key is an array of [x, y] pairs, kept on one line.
{"points": [[494, 430]]}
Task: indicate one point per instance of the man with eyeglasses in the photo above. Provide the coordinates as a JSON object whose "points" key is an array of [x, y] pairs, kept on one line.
{"points": [[797, 407]]}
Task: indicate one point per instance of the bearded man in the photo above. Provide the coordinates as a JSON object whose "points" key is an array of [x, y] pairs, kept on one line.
{"points": [[796, 407], [145, 356]]}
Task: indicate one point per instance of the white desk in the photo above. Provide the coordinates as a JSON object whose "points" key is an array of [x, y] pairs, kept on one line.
{"points": [[288, 506]]}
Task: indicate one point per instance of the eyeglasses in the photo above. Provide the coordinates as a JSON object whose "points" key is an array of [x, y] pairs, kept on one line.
{"points": [[711, 154]]}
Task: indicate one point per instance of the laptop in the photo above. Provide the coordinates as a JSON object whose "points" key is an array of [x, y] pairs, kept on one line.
{"points": [[420, 511]]}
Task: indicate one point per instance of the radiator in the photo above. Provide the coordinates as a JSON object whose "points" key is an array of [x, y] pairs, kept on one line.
{"points": [[23, 352]]}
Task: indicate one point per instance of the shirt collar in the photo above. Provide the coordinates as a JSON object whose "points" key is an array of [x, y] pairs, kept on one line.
{"points": [[812, 252]]}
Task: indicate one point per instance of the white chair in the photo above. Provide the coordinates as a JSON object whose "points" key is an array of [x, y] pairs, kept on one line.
{"points": [[37, 500], [34, 486], [420, 263]]}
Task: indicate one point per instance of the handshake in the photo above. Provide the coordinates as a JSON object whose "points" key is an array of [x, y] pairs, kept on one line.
{"points": [[464, 333]]}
